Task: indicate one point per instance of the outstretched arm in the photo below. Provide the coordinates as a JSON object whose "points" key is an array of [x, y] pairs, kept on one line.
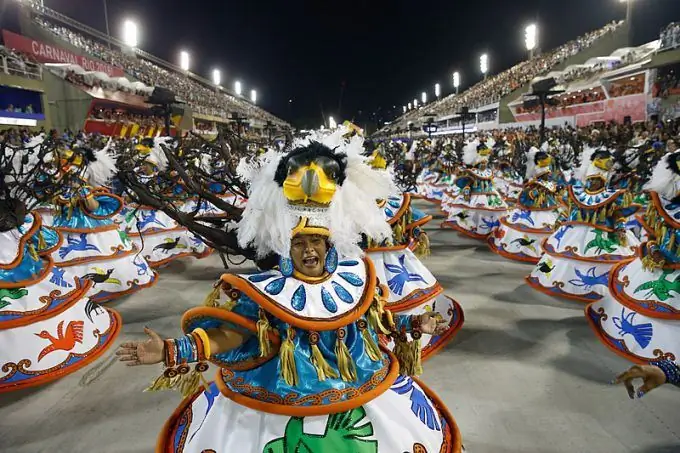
{"points": [[185, 349]]}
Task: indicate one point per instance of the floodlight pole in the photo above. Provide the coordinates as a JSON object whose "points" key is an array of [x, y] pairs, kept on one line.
{"points": [[106, 19]]}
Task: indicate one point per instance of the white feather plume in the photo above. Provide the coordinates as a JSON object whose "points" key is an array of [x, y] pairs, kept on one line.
{"points": [[267, 220], [470, 153], [157, 155], [531, 163], [664, 181], [100, 172], [586, 163]]}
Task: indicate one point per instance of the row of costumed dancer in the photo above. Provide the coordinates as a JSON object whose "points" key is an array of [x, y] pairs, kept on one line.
{"points": [[599, 237], [69, 245], [318, 352]]}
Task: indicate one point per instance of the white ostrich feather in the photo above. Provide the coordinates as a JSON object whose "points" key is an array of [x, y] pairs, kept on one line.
{"points": [[100, 172], [531, 164], [470, 153], [664, 181], [586, 163]]}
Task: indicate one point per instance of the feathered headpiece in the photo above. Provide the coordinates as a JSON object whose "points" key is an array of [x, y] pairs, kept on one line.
{"points": [[475, 152], [323, 186], [595, 162], [538, 163], [100, 167], [665, 179]]}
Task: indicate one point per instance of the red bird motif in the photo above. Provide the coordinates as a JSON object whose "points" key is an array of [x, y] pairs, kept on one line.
{"points": [[64, 341]]}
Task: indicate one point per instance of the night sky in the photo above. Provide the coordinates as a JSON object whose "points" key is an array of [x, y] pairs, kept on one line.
{"points": [[383, 52]]}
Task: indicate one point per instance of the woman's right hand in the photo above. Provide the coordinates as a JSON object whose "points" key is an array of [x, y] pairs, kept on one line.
{"points": [[652, 377], [147, 352]]}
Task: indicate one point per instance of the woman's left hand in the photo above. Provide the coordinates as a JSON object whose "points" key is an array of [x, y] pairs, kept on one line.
{"points": [[430, 325]]}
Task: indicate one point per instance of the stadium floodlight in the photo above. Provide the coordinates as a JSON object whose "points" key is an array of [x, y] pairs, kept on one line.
{"points": [[404, 109], [237, 88], [437, 90], [423, 97], [415, 103], [410, 106], [531, 37], [456, 80], [130, 36], [323, 127], [253, 96], [217, 77], [331, 123], [184, 60], [484, 64]]}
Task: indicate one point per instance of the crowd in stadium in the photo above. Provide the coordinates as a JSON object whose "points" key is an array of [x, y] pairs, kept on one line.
{"points": [[495, 87], [201, 98], [18, 63], [670, 36]]}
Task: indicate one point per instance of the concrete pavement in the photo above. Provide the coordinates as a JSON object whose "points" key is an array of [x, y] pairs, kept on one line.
{"points": [[524, 375]]}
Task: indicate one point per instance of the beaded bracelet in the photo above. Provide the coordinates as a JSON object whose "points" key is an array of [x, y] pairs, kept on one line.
{"points": [[670, 369]]}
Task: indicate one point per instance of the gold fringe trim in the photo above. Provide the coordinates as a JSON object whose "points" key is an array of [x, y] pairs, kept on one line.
{"points": [[32, 252], [346, 366], [423, 247], [410, 357], [375, 315], [287, 358], [41, 241], [213, 298], [322, 367], [263, 335], [372, 349]]}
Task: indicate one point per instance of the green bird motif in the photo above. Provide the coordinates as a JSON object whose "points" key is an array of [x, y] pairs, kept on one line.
{"points": [[662, 287], [601, 243], [16, 293], [125, 239], [343, 435]]}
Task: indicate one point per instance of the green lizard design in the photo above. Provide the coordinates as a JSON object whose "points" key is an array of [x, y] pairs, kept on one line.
{"points": [[16, 293], [600, 243], [661, 288], [342, 436]]}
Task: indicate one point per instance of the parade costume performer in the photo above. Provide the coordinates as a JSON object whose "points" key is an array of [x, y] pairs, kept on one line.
{"points": [[48, 327], [94, 247], [591, 239], [508, 181], [477, 209], [413, 288], [159, 238], [534, 216], [297, 348], [640, 318]]}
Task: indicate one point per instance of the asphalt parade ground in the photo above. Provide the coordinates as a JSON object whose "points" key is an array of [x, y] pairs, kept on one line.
{"points": [[524, 375]]}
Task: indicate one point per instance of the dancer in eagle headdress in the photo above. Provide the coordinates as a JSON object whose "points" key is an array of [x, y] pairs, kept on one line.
{"points": [[297, 347]]}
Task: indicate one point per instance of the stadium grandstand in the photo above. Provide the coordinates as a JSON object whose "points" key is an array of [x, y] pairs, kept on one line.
{"points": [[600, 79], [62, 74]]}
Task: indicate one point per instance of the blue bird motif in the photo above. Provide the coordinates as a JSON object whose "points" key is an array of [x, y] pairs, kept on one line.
{"points": [[80, 244], [196, 240], [522, 214], [642, 333], [560, 234], [491, 224], [57, 278], [437, 193], [142, 267], [148, 219], [403, 276], [589, 279], [420, 406]]}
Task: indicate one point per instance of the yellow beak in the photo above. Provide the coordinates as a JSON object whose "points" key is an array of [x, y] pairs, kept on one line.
{"points": [[309, 183]]}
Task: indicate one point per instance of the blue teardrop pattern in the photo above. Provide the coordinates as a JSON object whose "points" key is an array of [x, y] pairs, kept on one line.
{"points": [[394, 204], [328, 301], [349, 263], [342, 293], [389, 212], [276, 286], [299, 298], [259, 278], [351, 278], [331, 263]]}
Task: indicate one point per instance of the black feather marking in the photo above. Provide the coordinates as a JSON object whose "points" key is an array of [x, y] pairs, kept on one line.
{"points": [[308, 154]]}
